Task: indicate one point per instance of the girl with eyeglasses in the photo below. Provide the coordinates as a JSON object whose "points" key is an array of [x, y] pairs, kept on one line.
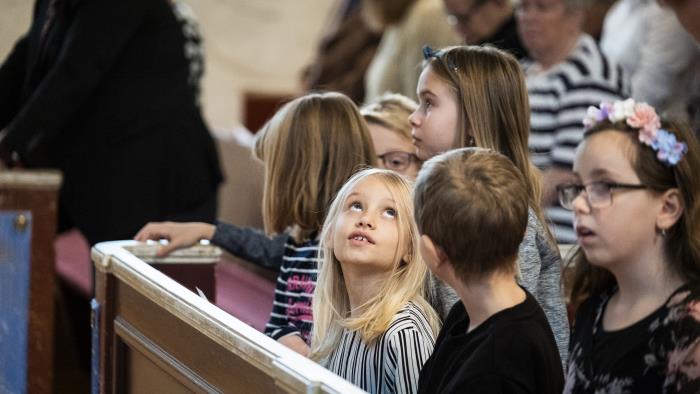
{"points": [[387, 121], [637, 270], [476, 96]]}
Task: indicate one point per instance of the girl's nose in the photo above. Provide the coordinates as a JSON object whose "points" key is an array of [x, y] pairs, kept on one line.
{"points": [[414, 119], [580, 203], [366, 221]]}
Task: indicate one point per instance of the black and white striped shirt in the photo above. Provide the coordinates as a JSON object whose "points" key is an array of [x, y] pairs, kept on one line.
{"points": [[559, 99], [392, 363]]}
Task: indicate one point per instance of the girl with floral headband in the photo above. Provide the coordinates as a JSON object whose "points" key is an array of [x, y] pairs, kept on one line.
{"points": [[637, 269]]}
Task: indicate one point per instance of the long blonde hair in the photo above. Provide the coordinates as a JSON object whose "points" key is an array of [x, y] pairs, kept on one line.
{"points": [[493, 106], [407, 282], [310, 147]]}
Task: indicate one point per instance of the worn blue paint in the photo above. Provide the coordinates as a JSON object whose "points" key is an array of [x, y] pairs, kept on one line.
{"points": [[95, 324], [15, 246]]}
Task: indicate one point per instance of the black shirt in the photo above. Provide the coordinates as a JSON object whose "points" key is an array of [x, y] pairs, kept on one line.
{"points": [[513, 351], [658, 354]]}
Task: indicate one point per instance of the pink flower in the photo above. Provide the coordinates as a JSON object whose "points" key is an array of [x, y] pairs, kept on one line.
{"points": [[685, 361], [646, 120]]}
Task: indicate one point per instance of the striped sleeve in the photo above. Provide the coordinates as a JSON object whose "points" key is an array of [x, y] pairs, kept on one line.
{"points": [[291, 308], [560, 98], [391, 363], [574, 101], [410, 343], [409, 350]]}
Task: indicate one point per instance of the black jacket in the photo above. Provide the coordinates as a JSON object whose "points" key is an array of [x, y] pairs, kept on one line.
{"points": [[106, 93]]}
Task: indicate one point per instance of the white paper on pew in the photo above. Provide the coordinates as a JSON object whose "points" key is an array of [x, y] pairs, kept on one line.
{"points": [[201, 294], [202, 253]]}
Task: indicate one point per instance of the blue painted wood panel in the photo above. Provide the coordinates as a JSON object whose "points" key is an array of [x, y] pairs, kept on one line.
{"points": [[95, 324], [15, 246]]}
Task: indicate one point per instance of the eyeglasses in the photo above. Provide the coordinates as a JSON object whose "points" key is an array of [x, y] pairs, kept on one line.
{"points": [[598, 194], [396, 160]]}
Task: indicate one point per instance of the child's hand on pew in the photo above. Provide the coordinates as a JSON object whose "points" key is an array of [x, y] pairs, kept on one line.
{"points": [[294, 342], [179, 235]]}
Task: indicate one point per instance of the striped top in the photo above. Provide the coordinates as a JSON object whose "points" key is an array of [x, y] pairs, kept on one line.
{"points": [[392, 363], [291, 309], [559, 99]]}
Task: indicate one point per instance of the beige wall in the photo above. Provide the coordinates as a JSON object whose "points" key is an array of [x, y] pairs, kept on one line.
{"points": [[251, 45]]}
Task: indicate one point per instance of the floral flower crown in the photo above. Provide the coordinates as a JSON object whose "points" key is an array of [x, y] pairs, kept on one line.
{"points": [[640, 116]]}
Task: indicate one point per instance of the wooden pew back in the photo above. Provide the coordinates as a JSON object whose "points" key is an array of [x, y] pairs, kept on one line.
{"points": [[156, 336]]}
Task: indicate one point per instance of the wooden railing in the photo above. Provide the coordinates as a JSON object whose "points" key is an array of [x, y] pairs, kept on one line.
{"points": [[153, 335]]}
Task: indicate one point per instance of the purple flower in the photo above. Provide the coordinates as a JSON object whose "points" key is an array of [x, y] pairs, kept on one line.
{"points": [[596, 115]]}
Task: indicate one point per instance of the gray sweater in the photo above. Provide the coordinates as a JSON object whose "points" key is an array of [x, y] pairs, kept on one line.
{"points": [[540, 265]]}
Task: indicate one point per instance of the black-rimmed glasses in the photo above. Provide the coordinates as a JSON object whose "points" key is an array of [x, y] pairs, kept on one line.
{"points": [[397, 160], [598, 194]]}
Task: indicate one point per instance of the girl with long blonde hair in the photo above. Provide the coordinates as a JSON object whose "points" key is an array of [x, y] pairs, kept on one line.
{"points": [[372, 323]]}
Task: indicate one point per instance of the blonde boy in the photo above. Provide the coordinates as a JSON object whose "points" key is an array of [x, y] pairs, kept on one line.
{"points": [[471, 209]]}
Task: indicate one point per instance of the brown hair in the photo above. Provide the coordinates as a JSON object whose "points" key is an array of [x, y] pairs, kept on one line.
{"points": [[493, 107], [682, 242], [469, 202], [310, 147]]}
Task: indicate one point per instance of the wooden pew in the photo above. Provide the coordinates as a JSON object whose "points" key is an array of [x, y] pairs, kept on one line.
{"points": [[150, 334], [28, 206]]}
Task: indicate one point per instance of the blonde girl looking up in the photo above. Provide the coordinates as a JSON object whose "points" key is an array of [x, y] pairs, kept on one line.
{"points": [[476, 96], [373, 325], [310, 147]]}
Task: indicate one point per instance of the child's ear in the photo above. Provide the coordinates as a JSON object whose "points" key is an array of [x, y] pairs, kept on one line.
{"points": [[671, 209], [432, 254]]}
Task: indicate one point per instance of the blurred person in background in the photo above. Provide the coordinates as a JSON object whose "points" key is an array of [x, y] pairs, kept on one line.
{"points": [[107, 92], [565, 74], [344, 54], [654, 50], [408, 25], [486, 22]]}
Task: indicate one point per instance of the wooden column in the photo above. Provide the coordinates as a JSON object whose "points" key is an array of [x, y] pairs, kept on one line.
{"points": [[36, 192]]}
